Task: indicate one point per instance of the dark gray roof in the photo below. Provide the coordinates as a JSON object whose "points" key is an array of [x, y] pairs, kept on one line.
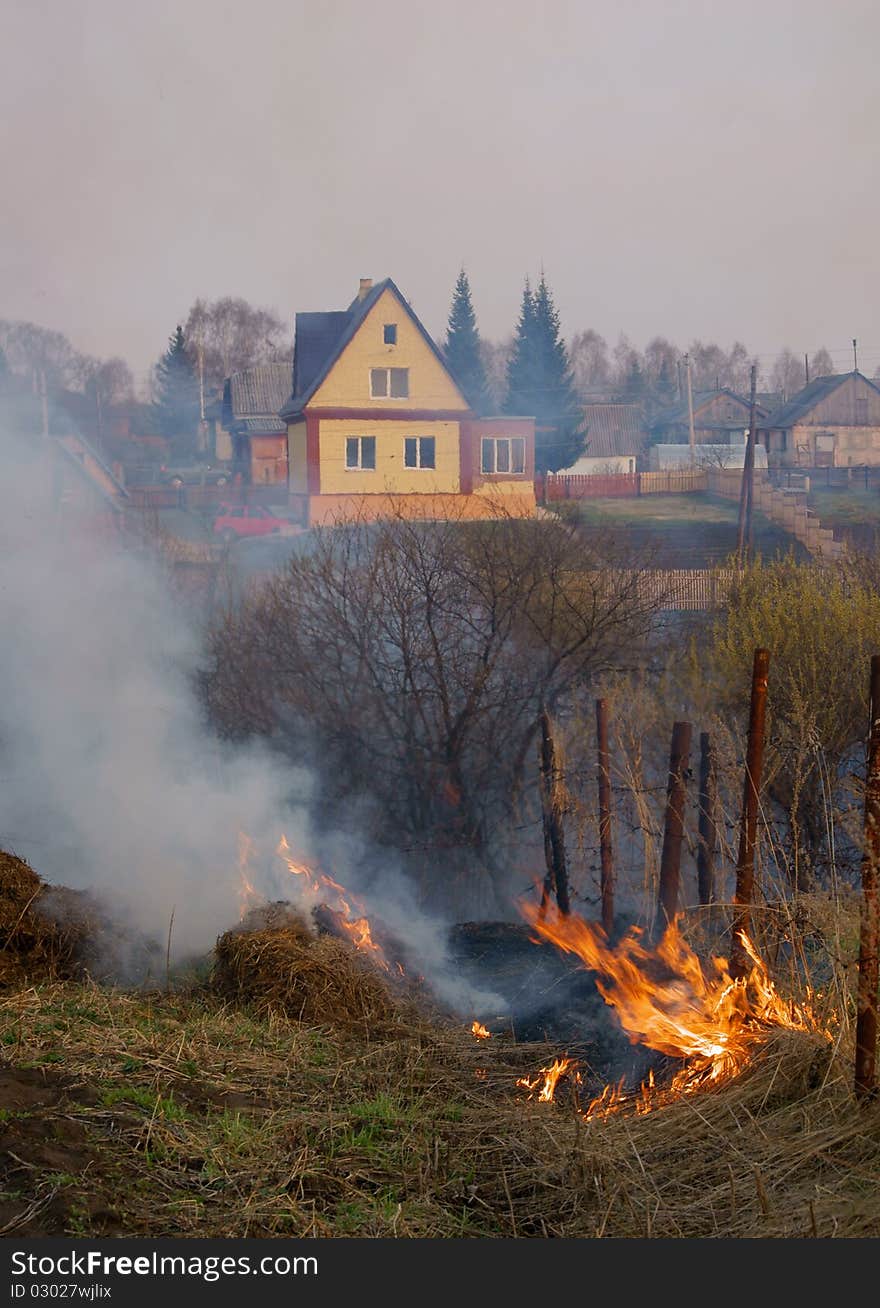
{"points": [[268, 425], [614, 430], [321, 337], [679, 414], [260, 391], [800, 405]]}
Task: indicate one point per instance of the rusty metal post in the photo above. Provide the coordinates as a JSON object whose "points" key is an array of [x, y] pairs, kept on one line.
{"points": [[673, 827], [605, 846], [869, 931], [708, 843], [554, 835], [740, 964]]}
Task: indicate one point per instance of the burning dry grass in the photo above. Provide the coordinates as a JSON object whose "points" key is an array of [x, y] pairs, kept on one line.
{"points": [[284, 968], [183, 1115]]}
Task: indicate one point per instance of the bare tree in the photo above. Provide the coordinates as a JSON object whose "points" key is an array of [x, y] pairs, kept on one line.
{"points": [[496, 356], [788, 373], [229, 334], [590, 366], [822, 364], [407, 663]]}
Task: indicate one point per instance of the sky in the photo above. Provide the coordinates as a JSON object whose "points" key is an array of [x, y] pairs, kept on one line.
{"points": [[678, 167]]}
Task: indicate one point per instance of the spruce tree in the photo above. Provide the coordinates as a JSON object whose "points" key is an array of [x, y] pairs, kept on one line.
{"points": [[176, 404], [521, 366], [462, 348], [540, 382]]}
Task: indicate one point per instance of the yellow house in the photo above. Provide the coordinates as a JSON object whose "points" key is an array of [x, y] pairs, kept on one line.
{"points": [[376, 423]]}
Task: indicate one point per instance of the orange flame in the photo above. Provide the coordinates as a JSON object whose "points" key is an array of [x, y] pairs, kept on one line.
{"points": [[342, 904], [548, 1078], [665, 1000], [480, 1031], [248, 897]]}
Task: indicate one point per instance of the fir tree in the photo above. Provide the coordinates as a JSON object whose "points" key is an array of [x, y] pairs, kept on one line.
{"points": [[462, 349], [666, 389], [634, 387], [177, 396], [540, 382]]}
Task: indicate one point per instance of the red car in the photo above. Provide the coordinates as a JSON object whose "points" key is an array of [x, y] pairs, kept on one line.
{"points": [[234, 520]]}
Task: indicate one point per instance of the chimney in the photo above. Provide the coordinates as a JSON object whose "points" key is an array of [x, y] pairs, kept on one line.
{"points": [[365, 287]]}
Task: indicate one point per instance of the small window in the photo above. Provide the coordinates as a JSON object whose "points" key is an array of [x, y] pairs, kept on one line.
{"points": [[389, 381], [518, 454], [502, 456], [390, 333], [360, 453], [487, 463], [419, 452]]}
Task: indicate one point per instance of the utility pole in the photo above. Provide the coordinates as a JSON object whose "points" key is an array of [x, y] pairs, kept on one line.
{"points": [[855, 355], [807, 368], [744, 526], [691, 438]]}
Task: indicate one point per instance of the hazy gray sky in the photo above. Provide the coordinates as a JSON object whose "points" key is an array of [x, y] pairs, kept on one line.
{"points": [[685, 167]]}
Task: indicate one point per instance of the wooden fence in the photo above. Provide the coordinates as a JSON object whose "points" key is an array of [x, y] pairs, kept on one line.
{"points": [[204, 497], [579, 486], [685, 589]]}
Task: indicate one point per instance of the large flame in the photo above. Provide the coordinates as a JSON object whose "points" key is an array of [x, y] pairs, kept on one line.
{"points": [[346, 911], [665, 999], [480, 1031]]}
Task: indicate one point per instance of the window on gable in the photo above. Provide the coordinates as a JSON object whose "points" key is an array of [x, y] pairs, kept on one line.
{"points": [[503, 454], [360, 452], [389, 333], [419, 452], [393, 382]]}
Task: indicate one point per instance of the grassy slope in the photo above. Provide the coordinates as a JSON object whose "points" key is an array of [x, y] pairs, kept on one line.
{"points": [[681, 531], [180, 1115]]}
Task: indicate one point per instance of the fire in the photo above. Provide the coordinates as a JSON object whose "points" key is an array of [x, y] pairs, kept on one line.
{"points": [[480, 1031], [667, 1001], [248, 897], [342, 906], [547, 1079]]}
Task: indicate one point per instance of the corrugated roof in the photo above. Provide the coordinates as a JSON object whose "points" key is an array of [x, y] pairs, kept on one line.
{"points": [[614, 430], [678, 414], [259, 391], [819, 388], [269, 426]]}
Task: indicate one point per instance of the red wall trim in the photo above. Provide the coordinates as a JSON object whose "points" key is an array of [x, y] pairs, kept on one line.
{"points": [[313, 454]]}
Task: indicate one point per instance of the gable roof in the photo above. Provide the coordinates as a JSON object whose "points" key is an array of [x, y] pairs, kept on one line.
{"points": [[806, 399], [613, 430], [320, 339], [260, 391], [678, 414]]}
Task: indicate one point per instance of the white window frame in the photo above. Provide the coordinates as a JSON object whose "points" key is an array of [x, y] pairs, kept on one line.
{"points": [[512, 442], [359, 466], [418, 466], [386, 394]]}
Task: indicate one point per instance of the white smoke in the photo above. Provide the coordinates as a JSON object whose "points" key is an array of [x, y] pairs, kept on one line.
{"points": [[111, 780]]}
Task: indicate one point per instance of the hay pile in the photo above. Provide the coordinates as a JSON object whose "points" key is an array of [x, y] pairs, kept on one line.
{"points": [[36, 945], [274, 962]]}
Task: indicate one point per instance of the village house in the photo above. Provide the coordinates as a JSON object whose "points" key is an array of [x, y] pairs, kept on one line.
{"points": [[376, 423], [833, 422], [616, 439], [721, 417], [252, 403]]}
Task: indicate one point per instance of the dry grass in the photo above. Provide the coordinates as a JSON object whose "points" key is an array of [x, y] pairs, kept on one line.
{"points": [[303, 1093], [184, 1115]]}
